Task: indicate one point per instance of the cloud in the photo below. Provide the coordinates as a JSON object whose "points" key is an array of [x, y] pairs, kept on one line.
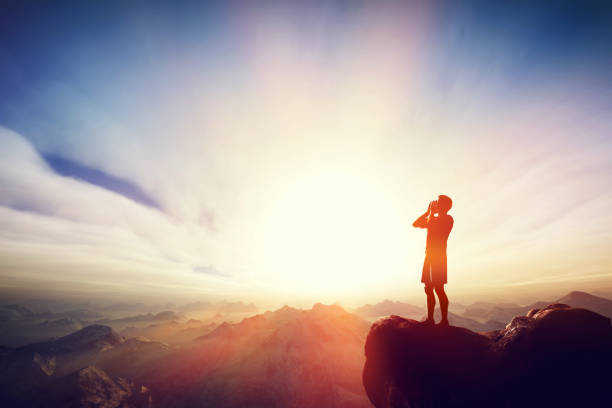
{"points": [[70, 168], [208, 270], [87, 233]]}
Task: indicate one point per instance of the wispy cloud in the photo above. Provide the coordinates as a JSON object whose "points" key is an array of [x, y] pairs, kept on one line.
{"points": [[561, 278], [70, 168], [48, 220], [209, 270]]}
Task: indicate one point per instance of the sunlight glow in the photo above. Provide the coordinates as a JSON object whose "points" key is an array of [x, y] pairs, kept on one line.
{"points": [[288, 148], [334, 229]]}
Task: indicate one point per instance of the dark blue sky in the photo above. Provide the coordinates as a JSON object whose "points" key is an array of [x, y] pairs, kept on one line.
{"points": [[85, 43], [120, 54]]}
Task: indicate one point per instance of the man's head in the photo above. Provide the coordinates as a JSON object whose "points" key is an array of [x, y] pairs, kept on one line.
{"points": [[444, 204]]}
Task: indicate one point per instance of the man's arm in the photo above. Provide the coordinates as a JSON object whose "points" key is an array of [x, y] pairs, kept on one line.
{"points": [[421, 222]]}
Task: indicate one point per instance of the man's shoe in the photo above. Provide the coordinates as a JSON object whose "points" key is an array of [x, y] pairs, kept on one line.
{"points": [[443, 322], [428, 322]]}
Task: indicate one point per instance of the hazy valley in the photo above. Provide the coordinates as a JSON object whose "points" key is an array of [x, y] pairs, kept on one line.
{"points": [[222, 355]]}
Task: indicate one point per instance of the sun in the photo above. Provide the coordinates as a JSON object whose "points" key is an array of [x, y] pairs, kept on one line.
{"points": [[331, 231]]}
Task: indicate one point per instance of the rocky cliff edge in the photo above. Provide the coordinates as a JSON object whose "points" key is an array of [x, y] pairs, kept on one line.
{"points": [[555, 356]]}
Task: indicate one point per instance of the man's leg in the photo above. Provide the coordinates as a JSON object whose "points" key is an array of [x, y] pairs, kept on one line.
{"points": [[431, 301], [443, 302]]}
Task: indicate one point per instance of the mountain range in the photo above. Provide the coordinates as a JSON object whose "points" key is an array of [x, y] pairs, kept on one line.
{"points": [[289, 358], [484, 316], [285, 358]]}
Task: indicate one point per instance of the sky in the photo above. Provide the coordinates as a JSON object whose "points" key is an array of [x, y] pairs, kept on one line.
{"points": [[278, 152]]}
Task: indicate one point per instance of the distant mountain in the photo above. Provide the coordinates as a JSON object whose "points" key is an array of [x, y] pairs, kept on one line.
{"points": [[167, 315], [500, 312], [20, 325], [489, 305], [481, 310], [504, 312], [474, 325], [77, 314], [60, 324], [94, 338], [14, 312], [173, 332], [196, 306], [122, 307], [220, 307], [389, 307], [602, 293], [587, 301]]}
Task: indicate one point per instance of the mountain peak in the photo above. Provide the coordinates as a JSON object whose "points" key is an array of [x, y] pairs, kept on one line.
{"points": [[320, 307], [587, 301], [578, 295], [95, 336]]}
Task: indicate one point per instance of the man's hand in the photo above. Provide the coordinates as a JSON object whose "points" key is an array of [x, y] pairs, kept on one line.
{"points": [[431, 208], [421, 222]]}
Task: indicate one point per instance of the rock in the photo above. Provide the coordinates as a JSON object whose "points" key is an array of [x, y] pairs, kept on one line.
{"points": [[95, 337], [29, 370], [556, 356], [46, 364], [91, 387], [407, 362]]}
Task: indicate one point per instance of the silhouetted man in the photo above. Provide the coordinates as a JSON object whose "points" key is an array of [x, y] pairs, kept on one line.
{"points": [[439, 225]]}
